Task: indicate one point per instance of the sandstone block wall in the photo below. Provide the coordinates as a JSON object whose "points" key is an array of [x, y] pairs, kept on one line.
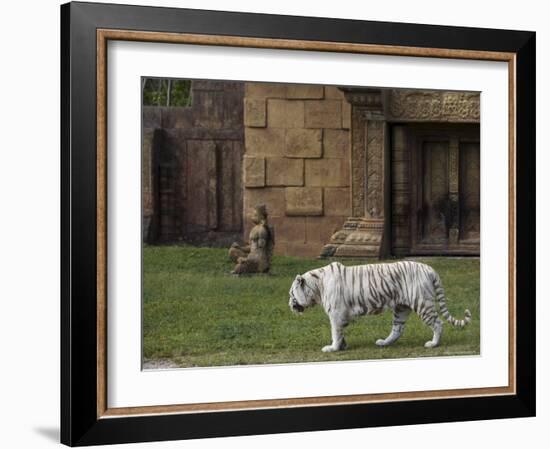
{"points": [[297, 162]]}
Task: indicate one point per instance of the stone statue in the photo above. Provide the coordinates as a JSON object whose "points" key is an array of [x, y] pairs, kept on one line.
{"points": [[255, 257]]}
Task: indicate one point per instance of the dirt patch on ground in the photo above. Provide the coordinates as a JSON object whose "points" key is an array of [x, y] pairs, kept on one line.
{"points": [[159, 364]]}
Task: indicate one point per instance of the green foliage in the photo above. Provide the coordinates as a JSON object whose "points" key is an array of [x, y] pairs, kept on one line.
{"points": [[166, 92], [197, 314]]}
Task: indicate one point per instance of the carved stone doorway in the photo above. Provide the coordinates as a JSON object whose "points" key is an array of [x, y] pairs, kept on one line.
{"points": [[435, 189], [414, 174]]}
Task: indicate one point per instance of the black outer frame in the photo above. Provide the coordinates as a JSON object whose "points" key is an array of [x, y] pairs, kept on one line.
{"points": [[79, 422]]}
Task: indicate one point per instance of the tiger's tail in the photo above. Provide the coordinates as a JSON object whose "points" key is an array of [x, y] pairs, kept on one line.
{"points": [[440, 295]]}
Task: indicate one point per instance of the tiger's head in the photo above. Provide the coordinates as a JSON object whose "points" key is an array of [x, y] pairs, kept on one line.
{"points": [[301, 294]]}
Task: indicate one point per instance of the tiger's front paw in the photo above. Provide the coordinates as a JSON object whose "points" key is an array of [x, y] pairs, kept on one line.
{"points": [[381, 342], [338, 347], [329, 348]]}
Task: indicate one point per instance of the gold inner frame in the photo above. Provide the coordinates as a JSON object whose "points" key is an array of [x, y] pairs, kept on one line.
{"points": [[104, 35]]}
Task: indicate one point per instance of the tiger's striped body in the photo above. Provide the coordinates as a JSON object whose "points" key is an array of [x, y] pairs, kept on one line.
{"points": [[348, 292]]}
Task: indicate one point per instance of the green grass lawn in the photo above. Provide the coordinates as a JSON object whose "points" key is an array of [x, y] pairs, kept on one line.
{"points": [[197, 314]]}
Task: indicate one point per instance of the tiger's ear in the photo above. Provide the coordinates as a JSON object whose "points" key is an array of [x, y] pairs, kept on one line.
{"points": [[300, 280]]}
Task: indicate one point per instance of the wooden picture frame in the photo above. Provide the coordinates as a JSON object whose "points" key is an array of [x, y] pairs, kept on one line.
{"points": [[86, 29]]}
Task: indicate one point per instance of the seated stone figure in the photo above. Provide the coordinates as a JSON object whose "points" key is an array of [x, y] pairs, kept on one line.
{"points": [[255, 257]]}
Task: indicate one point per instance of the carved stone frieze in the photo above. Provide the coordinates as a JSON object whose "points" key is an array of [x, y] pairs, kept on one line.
{"points": [[434, 106]]}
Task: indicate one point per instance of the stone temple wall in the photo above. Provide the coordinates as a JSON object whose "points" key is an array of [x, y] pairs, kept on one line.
{"points": [[297, 162]]}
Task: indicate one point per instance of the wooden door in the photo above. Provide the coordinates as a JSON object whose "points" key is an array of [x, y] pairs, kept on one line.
{"points": [[435, 189], [469, 191], [211, 191], [196, 167], [433, 197], [198, 190]]}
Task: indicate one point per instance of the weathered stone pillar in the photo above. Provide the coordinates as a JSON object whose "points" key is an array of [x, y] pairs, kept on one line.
{"points": [[364, 234], [453, 192]]}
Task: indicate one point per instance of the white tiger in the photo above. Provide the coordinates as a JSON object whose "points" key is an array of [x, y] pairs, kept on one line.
{"points": [[348, 292]]}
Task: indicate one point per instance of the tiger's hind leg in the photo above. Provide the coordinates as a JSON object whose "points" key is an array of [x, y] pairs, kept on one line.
{"points": [[400, 315], [429, 315], [437, 328]]}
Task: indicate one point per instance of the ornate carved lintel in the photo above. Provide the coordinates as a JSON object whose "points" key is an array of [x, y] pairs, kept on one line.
{"points": [[435, 106]]}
